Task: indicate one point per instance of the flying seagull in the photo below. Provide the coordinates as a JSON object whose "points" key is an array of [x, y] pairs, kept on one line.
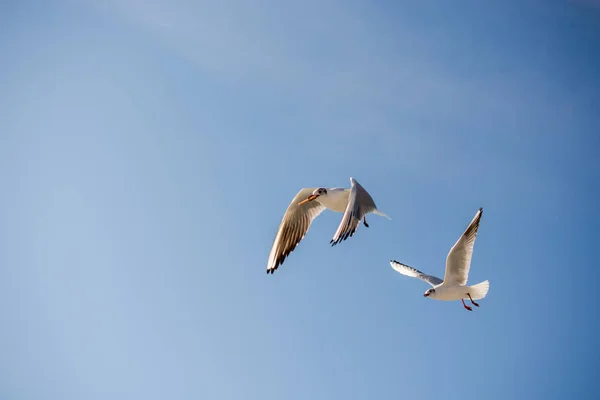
{"points": [[458, 263], [354, 202]]}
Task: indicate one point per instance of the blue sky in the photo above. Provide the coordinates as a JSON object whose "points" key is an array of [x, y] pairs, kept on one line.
{"points": [[149, 149]]}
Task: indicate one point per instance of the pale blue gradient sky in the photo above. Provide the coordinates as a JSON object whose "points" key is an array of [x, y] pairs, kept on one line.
{"points": [[149, 149]]}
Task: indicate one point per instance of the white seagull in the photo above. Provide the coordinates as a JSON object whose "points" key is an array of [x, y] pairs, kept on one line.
{"points": [[458, 264], [354, 202]]}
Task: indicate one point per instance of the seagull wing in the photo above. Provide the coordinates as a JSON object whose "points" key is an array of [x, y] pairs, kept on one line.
{"points": [[293, 227], [360, 203], [458, 261], [415, 273]]}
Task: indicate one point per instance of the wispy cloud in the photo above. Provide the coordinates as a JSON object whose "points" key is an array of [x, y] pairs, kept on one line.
{"points": [[330, 51], [357, 79], [323, 48]]}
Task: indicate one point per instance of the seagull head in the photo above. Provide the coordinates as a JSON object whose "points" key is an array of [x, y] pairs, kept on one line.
{"points": [[429, 292], [316, 193]]}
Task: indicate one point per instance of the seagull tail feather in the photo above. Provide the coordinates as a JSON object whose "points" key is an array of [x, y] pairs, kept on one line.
{"points": [[381, 214], [480, 290]]}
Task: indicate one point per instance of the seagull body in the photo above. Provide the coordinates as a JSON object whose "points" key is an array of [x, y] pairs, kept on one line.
{"points": [[458, 263], [355, 202]]}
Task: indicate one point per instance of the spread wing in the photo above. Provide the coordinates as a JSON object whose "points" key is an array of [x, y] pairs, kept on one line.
{"points": [[415, 273], [458, 261], [293, 227], [360, 203]]}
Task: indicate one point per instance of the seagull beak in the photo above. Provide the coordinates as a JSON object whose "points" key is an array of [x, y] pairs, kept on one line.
{"points": [[311, 197], [426, 294]]}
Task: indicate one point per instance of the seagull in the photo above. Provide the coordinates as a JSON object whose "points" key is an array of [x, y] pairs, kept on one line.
{"points": [[458, 263], [354, 202]]}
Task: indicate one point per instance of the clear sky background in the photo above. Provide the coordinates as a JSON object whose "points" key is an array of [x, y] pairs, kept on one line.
{"points": [[148, 150]]}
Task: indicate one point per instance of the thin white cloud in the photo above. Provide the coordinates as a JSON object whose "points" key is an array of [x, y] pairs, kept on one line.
{"points": [[314, 46], [333, 58], [327, 50]]}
